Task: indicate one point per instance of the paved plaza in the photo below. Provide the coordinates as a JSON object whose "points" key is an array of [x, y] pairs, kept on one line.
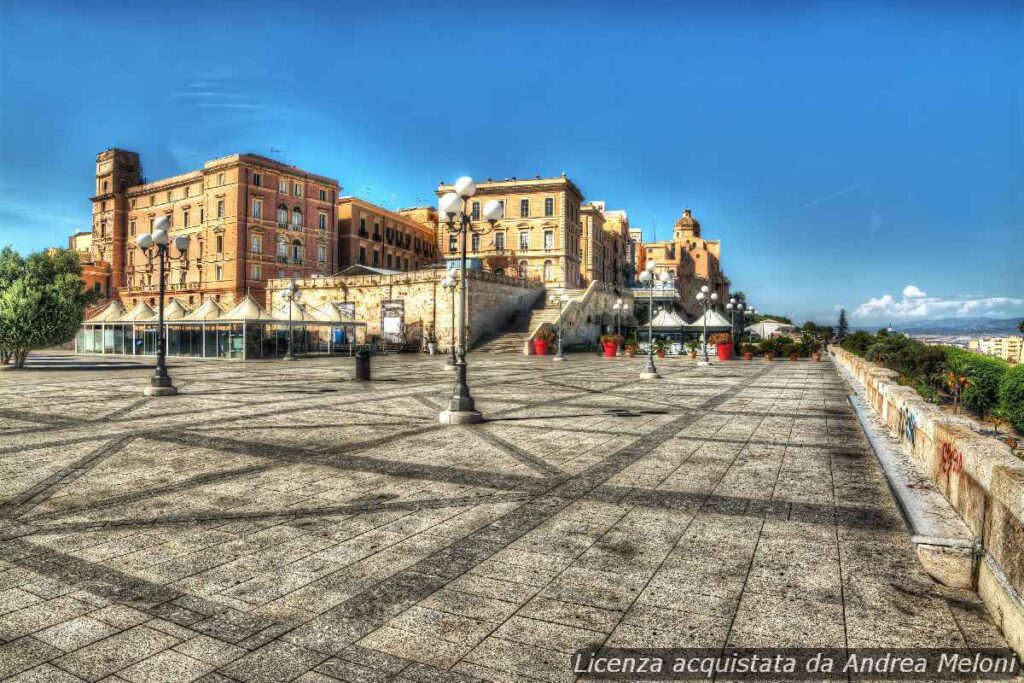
{"points": [[280, 521]]}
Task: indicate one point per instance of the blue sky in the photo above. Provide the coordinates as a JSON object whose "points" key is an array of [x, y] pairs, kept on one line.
{"points": [[866, 155]]}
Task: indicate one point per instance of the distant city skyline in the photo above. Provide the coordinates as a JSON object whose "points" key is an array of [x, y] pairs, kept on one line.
{"points": [[864, 156]]}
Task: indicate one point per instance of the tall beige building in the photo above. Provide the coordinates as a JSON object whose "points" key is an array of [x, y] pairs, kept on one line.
{"points": [[249, 218], [606, 245], [539, 236], [1009, 348]]}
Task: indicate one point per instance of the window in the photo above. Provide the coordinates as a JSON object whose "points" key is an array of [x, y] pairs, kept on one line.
{"points": [[323, 221], [501, 203], [524, 240], [476, 211], [257, 208], [282, 248], [220, 208], [202, 214], [453, 242], [257, 271], [297, 189], [282, 185], [362, 255], [188, 190], [151, 223], [376, 258], [548, 270], [406, 263], [282, 214], [220, 245], [169, 196], [321, 253], [524, 208], [389, 260], [296, 217], [549, 206], [257, 179], [152, 200], [476, 241], [220, 178], [131, 227], [323, 195], [218, 273], [184, 218], [549, 239], [362, 227], [297, 251], [133, 203], [257, 244], [104, 185], [499, 241]]}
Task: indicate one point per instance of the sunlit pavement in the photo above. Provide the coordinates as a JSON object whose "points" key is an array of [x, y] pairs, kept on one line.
{"points": [[276, 521]]}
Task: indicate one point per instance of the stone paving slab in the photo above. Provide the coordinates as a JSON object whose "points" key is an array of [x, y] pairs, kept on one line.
{"points": [[278, 522]]}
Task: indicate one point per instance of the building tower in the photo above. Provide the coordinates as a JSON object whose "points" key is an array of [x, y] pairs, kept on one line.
{"points": [[116, 171]]}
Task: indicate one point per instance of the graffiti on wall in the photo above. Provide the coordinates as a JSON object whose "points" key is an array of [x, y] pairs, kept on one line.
{"points": [[952, 459], [907, 427]]}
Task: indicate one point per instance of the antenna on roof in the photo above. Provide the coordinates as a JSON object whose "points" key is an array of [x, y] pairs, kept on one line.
{"points": [[279, 151]]}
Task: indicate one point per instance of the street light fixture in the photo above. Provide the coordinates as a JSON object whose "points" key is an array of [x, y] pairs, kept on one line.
{"points": [[160, 384], [649, 281], [450, 284], [562, 301], [291, 294], [706, 301], [453, 207]]}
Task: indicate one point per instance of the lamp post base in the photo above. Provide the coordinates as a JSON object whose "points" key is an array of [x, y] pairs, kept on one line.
{"points": [[161, 391], [558, 358], [703, 363], [288, 358], [649, 375], [460, 417]]}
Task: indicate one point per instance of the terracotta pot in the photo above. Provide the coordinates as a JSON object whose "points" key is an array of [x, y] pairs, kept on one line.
{"points": [[816, 356], [792, 358], [768, 357], [609, 349], [660, 354], [748, 356], [540, 347], [630, 353], [693, 355], [724, 351]]}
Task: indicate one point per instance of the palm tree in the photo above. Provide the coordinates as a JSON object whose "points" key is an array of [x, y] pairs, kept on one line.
{"points": [[956, 381]]}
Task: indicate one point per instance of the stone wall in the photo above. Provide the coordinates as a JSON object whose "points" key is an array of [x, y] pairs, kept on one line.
{"points": [[581, 318], [427, 306], [977, 474]]}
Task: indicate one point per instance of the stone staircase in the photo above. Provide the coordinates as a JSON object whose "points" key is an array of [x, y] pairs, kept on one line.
{"points": [[513, 338]]}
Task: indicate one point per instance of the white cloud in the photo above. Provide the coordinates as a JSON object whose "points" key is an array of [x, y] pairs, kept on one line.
{"points": [[916, 304]]}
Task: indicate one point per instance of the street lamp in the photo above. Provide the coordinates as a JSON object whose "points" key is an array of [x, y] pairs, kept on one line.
{"points": [[291, 294], [731, 307], [450, 284], [649, 281], [620, 308], [562, 301], [160, 384], [453, 205], [706, 301]]}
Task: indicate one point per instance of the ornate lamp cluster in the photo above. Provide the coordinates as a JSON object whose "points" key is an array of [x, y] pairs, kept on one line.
{"points": [[159, 243], [454, 208], [706, 300], [648, 281]]}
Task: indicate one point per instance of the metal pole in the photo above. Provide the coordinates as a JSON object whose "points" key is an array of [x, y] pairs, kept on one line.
{"points": [[461, 400], [561, 310], [161, 378], [650, 327], [452, 361], [705, 340]]}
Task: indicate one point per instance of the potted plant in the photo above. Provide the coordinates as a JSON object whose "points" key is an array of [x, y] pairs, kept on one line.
{"points": [[610, 343], [791, 351], [767, 347], [748, 351], [814, 347], [660, 347], [541, 341], [692, 347], [723, 344], [431, 342], [631, 346]]}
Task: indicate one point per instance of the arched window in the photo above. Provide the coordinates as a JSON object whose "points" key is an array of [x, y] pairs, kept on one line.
{"points": [[282, 248], [282, 214], [297, 250], [296, 217], [548, 270]]}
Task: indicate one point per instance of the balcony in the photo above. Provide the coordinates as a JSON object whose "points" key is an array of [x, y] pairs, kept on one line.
{"points": [[364, 234], [377, 237]]}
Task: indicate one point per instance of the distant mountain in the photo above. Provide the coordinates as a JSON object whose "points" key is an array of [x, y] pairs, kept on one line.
{"points": [[961, 326]]}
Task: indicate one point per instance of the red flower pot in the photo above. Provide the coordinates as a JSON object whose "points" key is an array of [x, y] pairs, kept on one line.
{"points": [[540, 347], [609, 349], [748, 356], [724, 351]]}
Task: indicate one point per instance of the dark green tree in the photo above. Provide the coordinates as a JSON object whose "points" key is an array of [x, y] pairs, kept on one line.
{"points": [[843, 328], [42, 302]]}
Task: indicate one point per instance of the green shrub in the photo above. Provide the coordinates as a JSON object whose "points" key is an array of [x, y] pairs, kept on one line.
{"points": [[1011, 396], [858, 342], [985, 374]]}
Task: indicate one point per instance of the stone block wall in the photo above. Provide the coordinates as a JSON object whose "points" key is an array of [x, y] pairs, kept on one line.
{"points": [[427, 306], [977, 474]]}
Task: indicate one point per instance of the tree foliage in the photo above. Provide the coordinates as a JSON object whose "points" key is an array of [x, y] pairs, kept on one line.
{"points": [[843, 328], [42, 302]]}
